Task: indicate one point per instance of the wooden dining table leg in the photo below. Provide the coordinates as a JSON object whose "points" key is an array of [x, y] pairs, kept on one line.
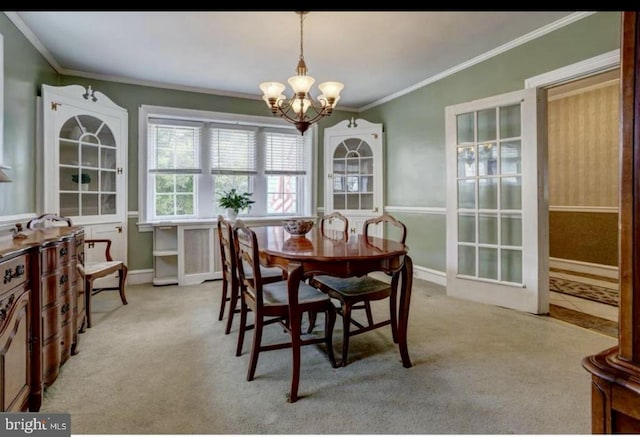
{"points": [[403, 318], [293, 283]]}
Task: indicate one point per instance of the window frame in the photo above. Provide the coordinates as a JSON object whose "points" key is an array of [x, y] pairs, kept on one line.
{"points": [[206, 212]]}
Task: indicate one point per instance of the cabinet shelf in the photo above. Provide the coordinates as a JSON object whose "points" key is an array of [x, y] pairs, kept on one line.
{"points": [[166, 280], [165, 252], [183, 254]]}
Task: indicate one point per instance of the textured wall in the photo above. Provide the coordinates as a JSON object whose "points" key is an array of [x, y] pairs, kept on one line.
{"points": [[583, 236], [583, 148]]}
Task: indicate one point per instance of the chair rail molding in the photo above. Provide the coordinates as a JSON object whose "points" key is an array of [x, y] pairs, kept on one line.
{"points": [[439, 210]]}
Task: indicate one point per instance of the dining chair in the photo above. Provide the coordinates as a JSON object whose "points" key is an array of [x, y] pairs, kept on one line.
{"points": [[336, 222], [339, 224], [359, 292], [230, 284], [89, 270], [270, 304]]}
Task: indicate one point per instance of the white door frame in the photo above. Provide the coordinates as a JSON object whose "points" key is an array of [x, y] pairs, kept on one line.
{"points": [[597, 64], [590, 66]]}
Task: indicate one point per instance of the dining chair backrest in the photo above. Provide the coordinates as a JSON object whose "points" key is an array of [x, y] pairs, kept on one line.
{"points": [[334, 221], [395, 227], [227, 249], [246, 247]]}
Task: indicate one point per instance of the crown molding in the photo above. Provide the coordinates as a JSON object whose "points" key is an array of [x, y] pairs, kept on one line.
{"points": [[569, 19], [33, 39]]}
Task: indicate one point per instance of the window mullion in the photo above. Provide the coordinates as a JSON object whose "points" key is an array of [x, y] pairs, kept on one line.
{"points": [[259, 186], [205, 197]]}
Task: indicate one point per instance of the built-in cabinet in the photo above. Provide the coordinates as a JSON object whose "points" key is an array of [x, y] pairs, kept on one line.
{"points": [[85, 169], [184, 254], [41, 312], [354, 171]]}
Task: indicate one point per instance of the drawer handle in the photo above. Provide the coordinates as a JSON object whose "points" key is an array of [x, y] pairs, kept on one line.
{"points": [[65, 309], [64, 251], [5, 307], [9, 274], [63, 279]]}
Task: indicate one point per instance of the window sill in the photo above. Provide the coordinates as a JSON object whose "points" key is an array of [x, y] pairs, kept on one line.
{"points": [[249, 220]]}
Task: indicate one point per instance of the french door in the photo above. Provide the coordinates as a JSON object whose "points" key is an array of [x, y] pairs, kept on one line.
{"points": [[497, 225]]}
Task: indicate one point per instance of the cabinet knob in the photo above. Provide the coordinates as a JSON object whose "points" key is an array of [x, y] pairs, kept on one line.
{"points": [[119, 228]]}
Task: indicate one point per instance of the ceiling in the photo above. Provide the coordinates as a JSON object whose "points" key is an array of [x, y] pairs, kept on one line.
{"points": [[376, 54]]}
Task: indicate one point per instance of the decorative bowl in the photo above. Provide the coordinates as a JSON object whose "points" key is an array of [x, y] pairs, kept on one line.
{"points": [[297, 227]]}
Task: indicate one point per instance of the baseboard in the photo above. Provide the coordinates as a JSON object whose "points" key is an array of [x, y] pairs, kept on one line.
{"points": [[145, 276], [584, 267], [142, 276], [431, 275]]}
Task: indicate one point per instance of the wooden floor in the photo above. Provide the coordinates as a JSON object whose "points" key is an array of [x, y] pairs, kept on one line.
{"points": [[588, 321], [587, 313]]}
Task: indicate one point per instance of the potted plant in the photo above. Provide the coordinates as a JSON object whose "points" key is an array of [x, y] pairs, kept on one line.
{"points": [[84, 181], [234, 202]]}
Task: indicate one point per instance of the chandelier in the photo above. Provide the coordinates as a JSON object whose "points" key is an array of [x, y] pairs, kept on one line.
{"points": [[301, 108]]}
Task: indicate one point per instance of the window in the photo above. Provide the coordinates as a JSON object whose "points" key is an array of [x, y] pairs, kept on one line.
{"points": [[188, 158]]}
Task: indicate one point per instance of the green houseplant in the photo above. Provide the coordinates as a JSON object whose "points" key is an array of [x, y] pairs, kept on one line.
{"points": [[235, 201], [84, 180]]}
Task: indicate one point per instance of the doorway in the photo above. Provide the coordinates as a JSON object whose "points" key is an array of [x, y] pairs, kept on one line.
{"points": [[583, 157]]}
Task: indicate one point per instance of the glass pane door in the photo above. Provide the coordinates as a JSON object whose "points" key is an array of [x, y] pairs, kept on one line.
{"points": [[497, 215], [87, 169], [489, 198], [353, 175]]}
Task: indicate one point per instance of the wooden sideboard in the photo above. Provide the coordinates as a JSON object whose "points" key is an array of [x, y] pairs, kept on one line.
{"points": [[41, 312]]}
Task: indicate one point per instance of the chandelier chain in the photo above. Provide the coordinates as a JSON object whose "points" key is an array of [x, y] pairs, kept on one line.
{"points": [[301, 35]]}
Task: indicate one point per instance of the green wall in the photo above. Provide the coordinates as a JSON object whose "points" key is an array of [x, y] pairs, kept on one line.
{"points": [[414, 124], [24, 71], [131, 97]]}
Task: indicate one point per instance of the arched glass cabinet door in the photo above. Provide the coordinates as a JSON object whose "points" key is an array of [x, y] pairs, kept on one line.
{"points": [[87, 167], [352, 173]]}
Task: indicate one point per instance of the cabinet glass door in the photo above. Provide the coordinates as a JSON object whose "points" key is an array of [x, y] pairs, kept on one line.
{"points": [[353, 175], [87, 167]]}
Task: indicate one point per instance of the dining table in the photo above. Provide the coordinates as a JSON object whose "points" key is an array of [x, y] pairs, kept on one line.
{"points": [[318, 253]]}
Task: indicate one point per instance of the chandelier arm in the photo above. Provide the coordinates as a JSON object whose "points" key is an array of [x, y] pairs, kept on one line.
{"points": [[318, 116], [285, 112]]}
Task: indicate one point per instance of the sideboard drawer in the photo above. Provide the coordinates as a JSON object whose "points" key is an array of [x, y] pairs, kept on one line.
{"points": [[56, 255], [51, 321], [14, 273]]}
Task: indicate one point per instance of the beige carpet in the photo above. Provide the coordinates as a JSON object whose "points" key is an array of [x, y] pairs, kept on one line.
{"points": [[162, 365]]}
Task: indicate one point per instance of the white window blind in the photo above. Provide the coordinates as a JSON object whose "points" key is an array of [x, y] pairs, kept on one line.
{"points": [[174, 146], [284, 154], [233, 151]]}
